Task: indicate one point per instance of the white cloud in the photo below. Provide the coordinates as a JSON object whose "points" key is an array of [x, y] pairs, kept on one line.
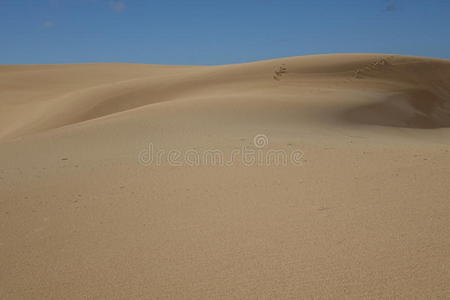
{"points": [[390, 7], [48, 24], [118, 6]]}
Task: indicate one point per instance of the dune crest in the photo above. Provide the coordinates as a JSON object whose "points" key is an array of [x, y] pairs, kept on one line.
{"points": [[414, 92]]}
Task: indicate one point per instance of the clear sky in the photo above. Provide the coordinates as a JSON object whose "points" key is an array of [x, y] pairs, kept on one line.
{"points": [[212, 32]]}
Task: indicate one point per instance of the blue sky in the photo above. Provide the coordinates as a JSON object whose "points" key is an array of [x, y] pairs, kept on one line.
{"points": [[210, 32]]}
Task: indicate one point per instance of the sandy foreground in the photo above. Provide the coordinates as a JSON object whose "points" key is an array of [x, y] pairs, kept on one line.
{"points": [[93, 206]]}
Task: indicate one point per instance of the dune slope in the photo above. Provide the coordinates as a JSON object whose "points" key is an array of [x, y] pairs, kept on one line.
{"points": [[90, 210]]}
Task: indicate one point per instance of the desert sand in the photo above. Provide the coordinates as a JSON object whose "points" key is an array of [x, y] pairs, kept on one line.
{"points": [[364, 214]]}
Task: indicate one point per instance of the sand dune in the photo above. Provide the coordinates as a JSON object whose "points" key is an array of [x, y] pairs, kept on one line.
{"points": [[364, 214]]}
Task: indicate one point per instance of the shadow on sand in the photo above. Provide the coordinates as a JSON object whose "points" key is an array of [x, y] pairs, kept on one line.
{"points": [[408, 109]]}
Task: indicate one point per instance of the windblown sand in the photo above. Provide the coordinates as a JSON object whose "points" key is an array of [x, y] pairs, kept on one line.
{"points": [[364, 214]]}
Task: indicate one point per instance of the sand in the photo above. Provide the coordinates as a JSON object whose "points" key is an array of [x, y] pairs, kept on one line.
{"points": [[364, 212]]}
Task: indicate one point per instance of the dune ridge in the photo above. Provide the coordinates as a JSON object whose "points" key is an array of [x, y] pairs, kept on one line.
{"points": [[365, 214], [418, 86]]}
